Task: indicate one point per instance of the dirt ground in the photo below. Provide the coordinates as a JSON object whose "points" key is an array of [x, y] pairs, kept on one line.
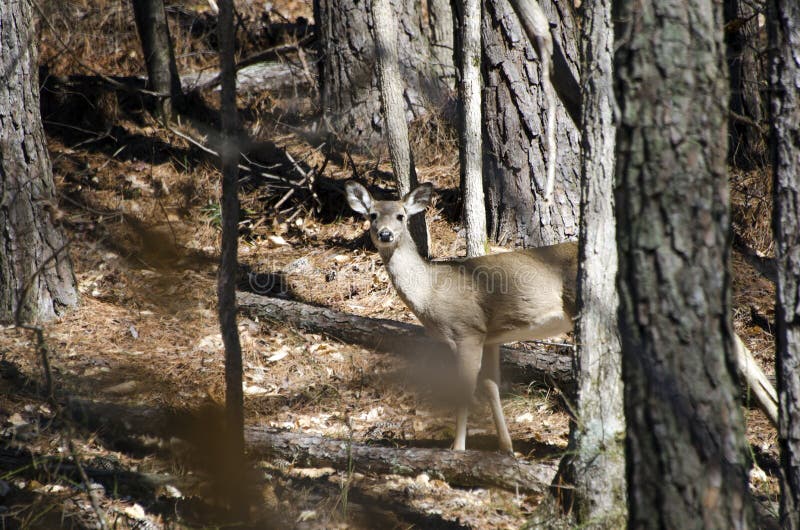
{"points": [[140, 204]]}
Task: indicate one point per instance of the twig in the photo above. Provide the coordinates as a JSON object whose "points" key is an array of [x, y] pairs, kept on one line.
{"points": [[552, 343], [741, 118], [192, 141], [101, 516], [41, 344], [307, 71], [208, 150], [353, 163]]}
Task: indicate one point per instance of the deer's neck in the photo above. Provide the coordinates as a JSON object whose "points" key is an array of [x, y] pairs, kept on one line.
{"points": [[410, 273]]}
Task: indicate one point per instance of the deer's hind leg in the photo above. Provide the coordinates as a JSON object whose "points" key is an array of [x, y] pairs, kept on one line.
{"points": [[489, 379]]}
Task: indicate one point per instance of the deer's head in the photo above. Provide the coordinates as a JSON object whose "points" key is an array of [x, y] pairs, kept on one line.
{"points": [[388, 219]]}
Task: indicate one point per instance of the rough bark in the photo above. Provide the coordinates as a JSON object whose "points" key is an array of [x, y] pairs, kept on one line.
{"points": [[396, 128], [35, 269], [458, 468], [397, 337], [470, 149], [537, 28], [784, 38], [440, 28], [596, 457], [348, 81], [226, 279], [159, 57], [746, 147], [685, 447], [515, 156]]}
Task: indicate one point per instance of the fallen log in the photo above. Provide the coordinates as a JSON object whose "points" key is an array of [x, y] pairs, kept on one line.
{"points": [[258, 77], [519, 365], [459, 468]]}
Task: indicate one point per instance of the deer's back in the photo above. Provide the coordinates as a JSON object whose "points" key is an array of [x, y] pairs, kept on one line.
{"points": [[505, 297]]}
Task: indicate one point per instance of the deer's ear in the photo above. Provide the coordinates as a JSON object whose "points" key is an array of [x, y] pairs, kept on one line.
{"points": [[358, 197], [418, 199]]}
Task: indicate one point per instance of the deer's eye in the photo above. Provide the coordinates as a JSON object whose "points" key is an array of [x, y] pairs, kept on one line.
{"points": [[400, 217], [373, 216]]}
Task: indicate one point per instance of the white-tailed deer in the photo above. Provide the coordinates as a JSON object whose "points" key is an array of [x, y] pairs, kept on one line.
{"points": [[474, 305]]}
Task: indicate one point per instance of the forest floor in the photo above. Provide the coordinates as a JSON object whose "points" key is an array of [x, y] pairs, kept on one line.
{"points": [[140, 205]]}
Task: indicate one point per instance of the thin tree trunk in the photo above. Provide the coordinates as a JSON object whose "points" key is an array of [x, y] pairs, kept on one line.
{"points": [[35, 269], [515, 146], [784, 38], [467, 16], [596, 457], [159, 57], [685, 446], [391, 91], [226, 280]]}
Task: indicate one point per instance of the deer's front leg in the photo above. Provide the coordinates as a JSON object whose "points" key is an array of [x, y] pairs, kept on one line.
{"points": [[468, 353]]}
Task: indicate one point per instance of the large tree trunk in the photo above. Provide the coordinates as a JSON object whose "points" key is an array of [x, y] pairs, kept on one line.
{"points": [[596, 456], [515, 154], [747, 146], [348, 81], [35, 270], [784, 37], [685, 447], [159, 57]]}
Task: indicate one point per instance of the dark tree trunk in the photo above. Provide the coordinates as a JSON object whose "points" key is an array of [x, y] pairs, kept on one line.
{"points": [[515, 155], [784, 37], [596, 456], [348, 81], [226, 280], [159, 57], [35, 270], [685, 447], [747, 146]]}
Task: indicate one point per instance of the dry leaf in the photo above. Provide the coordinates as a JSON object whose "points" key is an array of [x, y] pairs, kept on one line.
{"points": [[278, 355], [277, 241]]}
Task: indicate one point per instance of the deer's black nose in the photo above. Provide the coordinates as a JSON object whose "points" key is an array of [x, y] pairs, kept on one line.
{"points": [[385, 236]]}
